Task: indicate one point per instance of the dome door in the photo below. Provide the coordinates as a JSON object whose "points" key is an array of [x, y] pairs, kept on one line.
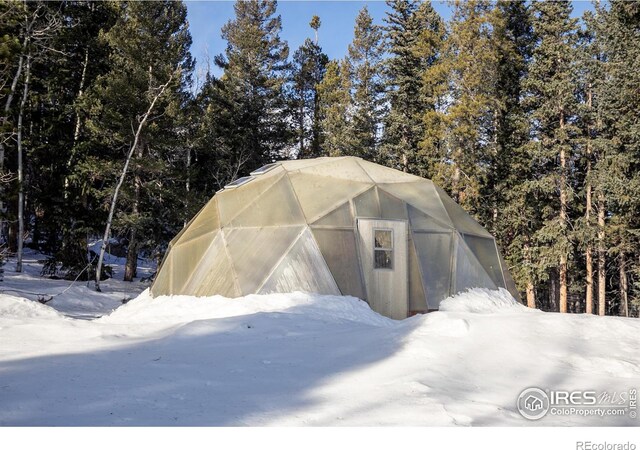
{"points": [[383, 255]]}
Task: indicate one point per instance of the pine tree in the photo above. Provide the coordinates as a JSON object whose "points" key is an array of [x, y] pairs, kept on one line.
{"points": [[334, 92], [414, 34], [59, 193], [308, 69], [617, 151], [252, 87], [471, 59], [513, 214], [365, 60], [551, 93], [590, 71], [134, 107]]}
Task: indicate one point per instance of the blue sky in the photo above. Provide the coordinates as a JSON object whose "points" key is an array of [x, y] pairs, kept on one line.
{"points": [[206, 18]]}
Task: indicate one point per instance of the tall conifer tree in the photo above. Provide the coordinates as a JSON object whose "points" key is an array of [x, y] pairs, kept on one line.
{"points": [[551, 93], [365, 60], [414, 36]]}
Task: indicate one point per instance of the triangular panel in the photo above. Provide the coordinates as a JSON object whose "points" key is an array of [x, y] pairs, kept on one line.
{"points": [[434, 256], [205, 221], [339, 250], [233, 201], [302, 269], [254, 252], [341, 168], [366, 204], [469, 272], [340, 217], [381, 174], [278, 205], [214, 275], [421, 195], [186, 257], [460, 218], [318, 195], [417, 299], [424, 222], [391, 207], [487, 255]]}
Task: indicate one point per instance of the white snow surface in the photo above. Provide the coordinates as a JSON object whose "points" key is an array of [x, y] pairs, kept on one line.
{"points": [[483, 301], [302, 359]]}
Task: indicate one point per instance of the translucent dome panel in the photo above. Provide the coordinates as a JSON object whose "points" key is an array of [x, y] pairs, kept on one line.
{"points": [[341, 217], [381, 174], [215, 275], [276, 206], [254, 252], [302, 269], [319, 195], [366, 204], [339, 250], [462, 221], [342, 168], [434, 256], [186, 257], [390, 206], [421, 195], [232, 201], [206, 221], [417, 299], [469, 272], [487, 254]]}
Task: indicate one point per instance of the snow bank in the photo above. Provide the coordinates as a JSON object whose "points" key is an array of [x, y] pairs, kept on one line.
{"points": [[182, 308], [21, 308], [483, 301]]}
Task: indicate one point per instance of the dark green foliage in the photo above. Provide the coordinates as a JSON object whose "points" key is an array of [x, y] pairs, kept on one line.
{"points": [[516, 108], [414, 33], [308, 69], [366, 63], [250, 95]]}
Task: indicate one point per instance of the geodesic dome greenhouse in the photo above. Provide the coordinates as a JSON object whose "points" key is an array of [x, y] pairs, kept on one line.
{"points": [[341, 226]]}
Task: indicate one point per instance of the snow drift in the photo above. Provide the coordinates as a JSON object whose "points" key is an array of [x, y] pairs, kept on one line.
{"points": [[182, 308], [485, 301], [303, 359], [21, 308]]}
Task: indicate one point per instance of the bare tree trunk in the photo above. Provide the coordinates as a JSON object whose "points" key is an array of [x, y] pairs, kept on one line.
{"points": [[301, 152], [188, 181], [131, 265], [601, 257], [531, 295], [10, 96], [455, 187], [76, 130], [25, 93], [563, 220], [5, 116], [114, 200], [587, 214], [553, 283], [624, 286]]}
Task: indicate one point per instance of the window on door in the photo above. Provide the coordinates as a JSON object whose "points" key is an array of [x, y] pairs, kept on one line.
{"points": [[382, 249]]}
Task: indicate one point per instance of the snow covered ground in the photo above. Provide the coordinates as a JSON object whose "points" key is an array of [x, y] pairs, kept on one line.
{"points": [[296, 359], [76, 299]]}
